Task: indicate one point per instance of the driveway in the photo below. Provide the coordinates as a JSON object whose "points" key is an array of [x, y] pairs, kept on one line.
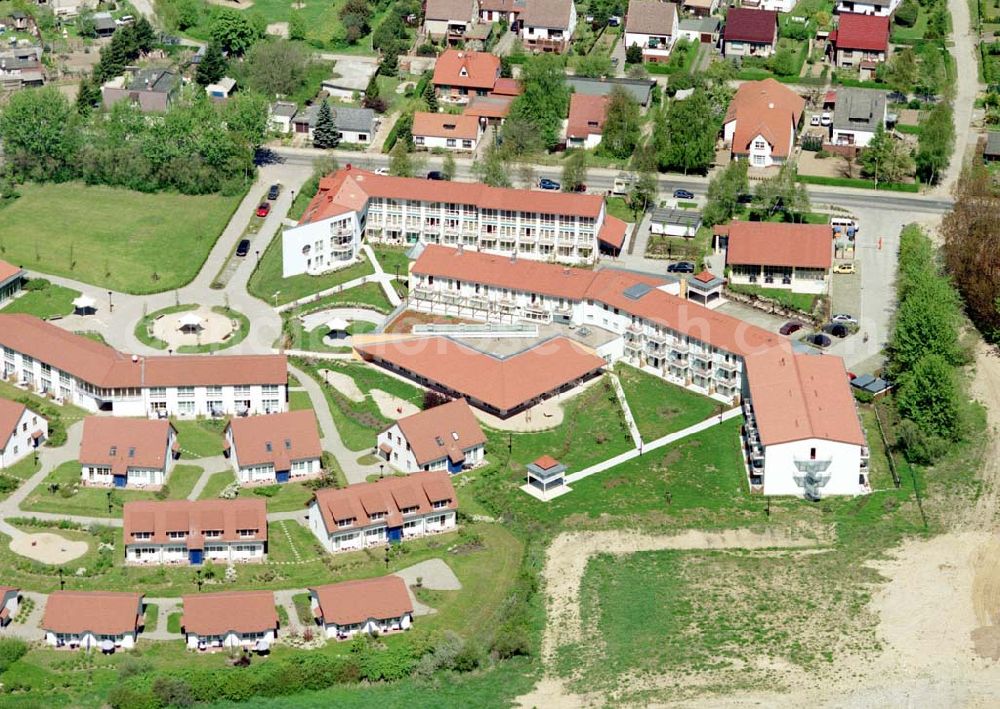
{"points": [[966, 87]]}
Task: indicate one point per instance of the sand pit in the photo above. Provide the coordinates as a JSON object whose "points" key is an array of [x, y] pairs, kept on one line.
{"points": [[343, 383], [392, 407], [278, 29], [48, 548]]}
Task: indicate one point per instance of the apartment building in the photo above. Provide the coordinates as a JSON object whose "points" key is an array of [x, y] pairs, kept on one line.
{"points": [[529, 224], [231, 619], [195, 531], [48, 360], [11, 281], [100, 620], [132, 453], [275, 448], [388, 510], [379, 605], [21, 431]]}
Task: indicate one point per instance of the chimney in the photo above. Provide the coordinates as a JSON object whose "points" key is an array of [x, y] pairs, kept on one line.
{"points": [[461, 248], [135, 358], [513, 257], [347, 166]]}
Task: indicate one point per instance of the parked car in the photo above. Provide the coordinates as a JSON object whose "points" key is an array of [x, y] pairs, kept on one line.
{"points": [[814, 121], [681, 267], [846, 267], [790, 327], [243, 248], [381, 171], [837, 329], [274, 191], [825, 119], [683, 194], [435, 175], [547, 184], [614, 21], [264, 209], [819, 340], [844, 318]]}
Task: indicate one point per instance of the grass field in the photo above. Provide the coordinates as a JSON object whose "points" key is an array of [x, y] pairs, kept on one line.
{"points": [[200, 438], [287, 497], [152, 617], [617, 207], [113, 238], [804, 302], [216, 483], [266, 279], [298, 400], [43, 300], [74, 499], [660, 407], [391, 259]]}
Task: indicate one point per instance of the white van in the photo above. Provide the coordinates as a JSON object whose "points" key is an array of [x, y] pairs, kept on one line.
{"points": [[845, 225]]}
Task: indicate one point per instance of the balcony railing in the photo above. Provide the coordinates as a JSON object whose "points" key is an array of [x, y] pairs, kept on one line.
{"points": [[812, 467]]}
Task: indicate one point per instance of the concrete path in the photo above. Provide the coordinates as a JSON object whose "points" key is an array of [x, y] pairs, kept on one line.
{"points": [[165, 608], [434, 574], [629, 418], [284, 599], [30, 629], [211, 466]]}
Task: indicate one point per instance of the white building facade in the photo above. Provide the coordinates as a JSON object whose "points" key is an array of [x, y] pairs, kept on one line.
{"points": [[320, 247], [29, 431]]}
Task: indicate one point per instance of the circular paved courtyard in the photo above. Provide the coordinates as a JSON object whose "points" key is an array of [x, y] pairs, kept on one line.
{"points": [[192, 328]]}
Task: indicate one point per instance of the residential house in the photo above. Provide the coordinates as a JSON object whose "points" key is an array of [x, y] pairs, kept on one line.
{"points": [[152, 90], [446, 437], [21, 67], [276, 448], [881, 8], [460, 74], [774, 5], [446, 130], [700, 29], [749, 32], [860, 41], [649, 325], [991, 150], [761, 121], [795, 257], [585, 126], [104, 24], [640, 90], [352, 79], [127, 452], [195, 531], [41, 357], [508, 11], [857, 115], [11, 281], [548, 25], [670, 221], [373, 606], [353, 203], [231, 619], [700, 8], [355, 125], [99, 620], [18, 20], [388, 510], [449, 21], [10, 601], [222, 89], [653, 26], [21, 432], [281, 115]]}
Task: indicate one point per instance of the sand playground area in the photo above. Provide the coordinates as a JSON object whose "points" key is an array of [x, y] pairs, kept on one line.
{"points": [[48, 548]]}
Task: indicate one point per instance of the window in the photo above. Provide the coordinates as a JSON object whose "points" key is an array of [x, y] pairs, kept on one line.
{"points": [[377, 516], [185, 408], [177, 535], [247, 533], [185, 392], [812, 454], [157, 392], [439, 504], [450, 142], [418, 140], [142, 535]]}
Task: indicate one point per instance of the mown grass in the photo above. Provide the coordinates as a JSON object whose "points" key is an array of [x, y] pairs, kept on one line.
{"points": [[804, 302], [216, 483], [200, 438], [266, 279], [43, 300], [660, 407], [392, 258]]}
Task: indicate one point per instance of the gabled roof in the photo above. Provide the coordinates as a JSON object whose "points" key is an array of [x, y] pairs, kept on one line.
{"points": [[507, 87], [552, 14], [230, 611], [278, 439], [492, 106], [467, 69], [765, 108], [748, 25], [355, 504], [98, 612], [776, 244], [613, 232], [195, 517], [445, 125], [586, 115], [124, 443], [10, 415], [459, 10], [445, 430], [859, 109], [866, 32], [653, 17], [352, 602]]}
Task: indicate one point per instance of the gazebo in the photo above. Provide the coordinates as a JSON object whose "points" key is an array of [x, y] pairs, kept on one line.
{"points": [[546, 478], [189, 322], [337, 327], [84, 305]]}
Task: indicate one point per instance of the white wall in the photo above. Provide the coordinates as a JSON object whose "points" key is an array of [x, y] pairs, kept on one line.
{"points": [[11, 604], [867, 9], [432, 141], [591, 141], [314, 248], [21, 444], [229, 639], [85, 640], [140, 552], [861, 137], [372, 625], [353, 538], [780, 469], [669, 38]]}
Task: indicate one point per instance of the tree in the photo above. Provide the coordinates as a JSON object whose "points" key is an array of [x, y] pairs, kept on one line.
{"points": [[901, 71], [643, 193], [935, 143], [783, 193], [234, 32], [685, 141], [325, 133], [389, 35], [389, 65], [492, 168], [885, 159], [594, 66], [144, 35], [506, 68], [448, 167], [545, 98], [188, 13], [355, 16], [520, 137], [40, 134], [88, 96], [246, 114], [373, 98], [784, 63], [276, 68], [724, 190], [430, 97], [85, 25], [434, 398], [622, 126], [400, 162], [296, 26], [929, 396], [633, 55], [212, 66], [906, 13], [574, 173]]}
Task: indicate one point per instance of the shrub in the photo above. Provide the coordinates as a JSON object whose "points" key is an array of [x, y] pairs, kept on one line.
{"points": [[906, 14], [11, 650], [267, 490], [469, 658], [427, 50], [125, 697], [172, 692]]}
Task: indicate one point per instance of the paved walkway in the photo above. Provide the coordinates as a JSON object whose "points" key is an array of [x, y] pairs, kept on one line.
{"points": [[210, 466], [629, 418], [284, 599]]}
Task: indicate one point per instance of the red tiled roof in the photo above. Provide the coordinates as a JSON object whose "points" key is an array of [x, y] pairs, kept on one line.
{"points": [[766, 108], [705, 277], [748, 25], [291, 436], [356, 503], [98, 612], [8, 271], [546, 462], [123, 443], [492, 106], [504, 384], [445, 125], [10, 415], [613, 232], [358, 601], [466, 69], [442, 430], [865, 32], [236, 611], [507, 87], [586, 115], [775, 244], [458, 10], [652, 17], [159, 517]]}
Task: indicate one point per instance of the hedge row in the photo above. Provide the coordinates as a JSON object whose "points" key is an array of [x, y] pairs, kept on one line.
{"points": [[860, 184]]}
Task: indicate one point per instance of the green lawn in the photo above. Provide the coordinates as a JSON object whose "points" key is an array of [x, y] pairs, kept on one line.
{"points": [[114, 238], [804, 302], [73, 499], [174, 622], [152, 617], [22, 469], [43, 300], [674, 248], [216, 484], [200, 438], [266, 279], [660, 407], [298, 400], [392, 258], [287, 497], [617, 207]]}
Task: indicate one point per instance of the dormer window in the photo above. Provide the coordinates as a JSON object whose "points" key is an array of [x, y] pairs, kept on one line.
{"points": [[376, 516], [463, 72], [439, 504], [268, 447], [288, 444], [113, 452], [454, 435], [131, 452], [345, 522], [439, 440]]}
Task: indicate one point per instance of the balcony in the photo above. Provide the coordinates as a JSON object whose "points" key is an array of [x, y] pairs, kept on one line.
{"points": [[657, 337], [812, 467], [729, 366], [811, 484], [680, 346]]}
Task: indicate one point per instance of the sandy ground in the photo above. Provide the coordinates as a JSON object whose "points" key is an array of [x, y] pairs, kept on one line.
{"points": [[278, 29], [392, 407], [48, 548], [344, 384], [540, 417], [215, 327]]}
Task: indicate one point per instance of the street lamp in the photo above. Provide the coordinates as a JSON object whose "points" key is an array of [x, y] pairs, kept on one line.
{"points": [[381, 471], [257, 251], [62, 581], [109, 501], [111, 306]]}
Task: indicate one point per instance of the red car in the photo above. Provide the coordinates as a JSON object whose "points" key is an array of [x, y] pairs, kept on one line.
{"points": [[264, 209]]}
